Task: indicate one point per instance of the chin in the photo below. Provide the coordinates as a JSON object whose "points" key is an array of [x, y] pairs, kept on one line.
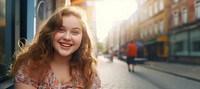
{"points": [[65, 54]]}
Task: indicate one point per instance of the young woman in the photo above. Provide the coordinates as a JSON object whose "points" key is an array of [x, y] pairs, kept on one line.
{"points": [[60, 56]]}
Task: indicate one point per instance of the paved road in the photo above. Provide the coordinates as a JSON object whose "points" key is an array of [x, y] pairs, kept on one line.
{"points": [[115, 75]]}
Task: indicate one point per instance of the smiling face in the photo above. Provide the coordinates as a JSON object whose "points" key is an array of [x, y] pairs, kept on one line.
{"points": [[68, 37]]}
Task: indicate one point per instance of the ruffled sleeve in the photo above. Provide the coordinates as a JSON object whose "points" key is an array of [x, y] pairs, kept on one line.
{"points": [[21, 76]]}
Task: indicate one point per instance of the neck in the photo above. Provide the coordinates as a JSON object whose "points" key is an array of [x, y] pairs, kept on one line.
{"points": [[61, 60]]}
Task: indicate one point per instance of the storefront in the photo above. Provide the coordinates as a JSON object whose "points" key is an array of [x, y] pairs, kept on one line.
{"points": [[16, 21], [185, 44], [150, 49], [156, 49]]}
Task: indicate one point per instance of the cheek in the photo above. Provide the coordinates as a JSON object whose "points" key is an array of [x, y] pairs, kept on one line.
{"points": [[80, 40], [57, 36]]}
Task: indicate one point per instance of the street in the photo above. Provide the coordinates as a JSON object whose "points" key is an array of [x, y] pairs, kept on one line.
{"points": [[115, 75]]}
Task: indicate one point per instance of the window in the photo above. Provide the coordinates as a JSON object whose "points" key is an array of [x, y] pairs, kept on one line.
{"points": [[194, 42], [156, 28], [150, 11], [161, 5], [156, 7], [150, 30], [184, 15], [196, 46], [161, 48], [179, 46], [161, 27], [142, 33], [145, 32], [145, 14], [197, 10], [176, 18]]}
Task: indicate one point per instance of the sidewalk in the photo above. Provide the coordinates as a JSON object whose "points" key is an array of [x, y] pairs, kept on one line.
{"points": [[183, 70]]}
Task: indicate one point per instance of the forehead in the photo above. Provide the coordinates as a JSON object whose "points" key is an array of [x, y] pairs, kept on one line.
{"points": [[71, 21]]}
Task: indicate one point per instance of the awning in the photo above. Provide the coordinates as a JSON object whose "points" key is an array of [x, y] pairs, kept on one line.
{"points": [[139, 43]]}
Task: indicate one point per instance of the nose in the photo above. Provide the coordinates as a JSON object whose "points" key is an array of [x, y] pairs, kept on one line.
{"points": [[66, 36]]}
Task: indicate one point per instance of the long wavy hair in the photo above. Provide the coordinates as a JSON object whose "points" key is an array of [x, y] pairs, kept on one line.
{"points": [[40, 52]]}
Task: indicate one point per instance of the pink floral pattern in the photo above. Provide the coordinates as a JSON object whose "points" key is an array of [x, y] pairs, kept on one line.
{"points": [[50, 82]]}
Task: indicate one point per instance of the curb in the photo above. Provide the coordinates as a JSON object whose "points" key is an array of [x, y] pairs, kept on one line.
{"points": [[190, 78]]}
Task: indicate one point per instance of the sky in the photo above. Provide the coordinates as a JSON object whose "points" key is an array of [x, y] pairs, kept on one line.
{"points": [[110, 11]]}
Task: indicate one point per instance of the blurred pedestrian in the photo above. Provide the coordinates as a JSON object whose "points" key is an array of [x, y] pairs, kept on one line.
{"points": [[131, 50], [111, 55], [60, 56]]}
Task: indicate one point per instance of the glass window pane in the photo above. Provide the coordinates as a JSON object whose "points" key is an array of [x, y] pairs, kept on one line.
{"points": [[161, 27], [184, 15], [195, 42], [176, 18], [179, 46], [156, 28], [196, 46], [181, 42], [197, 9], [155, 7], [161, 5]]}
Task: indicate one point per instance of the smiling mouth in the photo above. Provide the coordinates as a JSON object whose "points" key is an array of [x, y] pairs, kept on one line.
{"points": [[65, 44]]}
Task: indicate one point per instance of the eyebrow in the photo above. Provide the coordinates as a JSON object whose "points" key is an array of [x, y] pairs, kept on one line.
{"points": [[76, 28], [72, 28]]}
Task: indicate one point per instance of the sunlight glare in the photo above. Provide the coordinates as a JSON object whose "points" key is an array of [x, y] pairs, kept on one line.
{"points": [[109, 11]]}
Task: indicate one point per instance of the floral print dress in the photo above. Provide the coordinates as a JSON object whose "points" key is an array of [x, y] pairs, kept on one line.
{"points": [[50, 82]]}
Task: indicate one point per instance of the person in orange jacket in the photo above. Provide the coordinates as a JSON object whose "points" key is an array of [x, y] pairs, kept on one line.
{"points": [[131, 51]]}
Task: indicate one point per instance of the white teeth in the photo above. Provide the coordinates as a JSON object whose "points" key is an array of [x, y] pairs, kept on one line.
{"points": [[66, 45]]}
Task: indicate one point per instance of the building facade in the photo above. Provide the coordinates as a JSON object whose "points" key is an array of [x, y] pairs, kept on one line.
{"points": [[149, 26], [168, 30], [184, 30]]}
